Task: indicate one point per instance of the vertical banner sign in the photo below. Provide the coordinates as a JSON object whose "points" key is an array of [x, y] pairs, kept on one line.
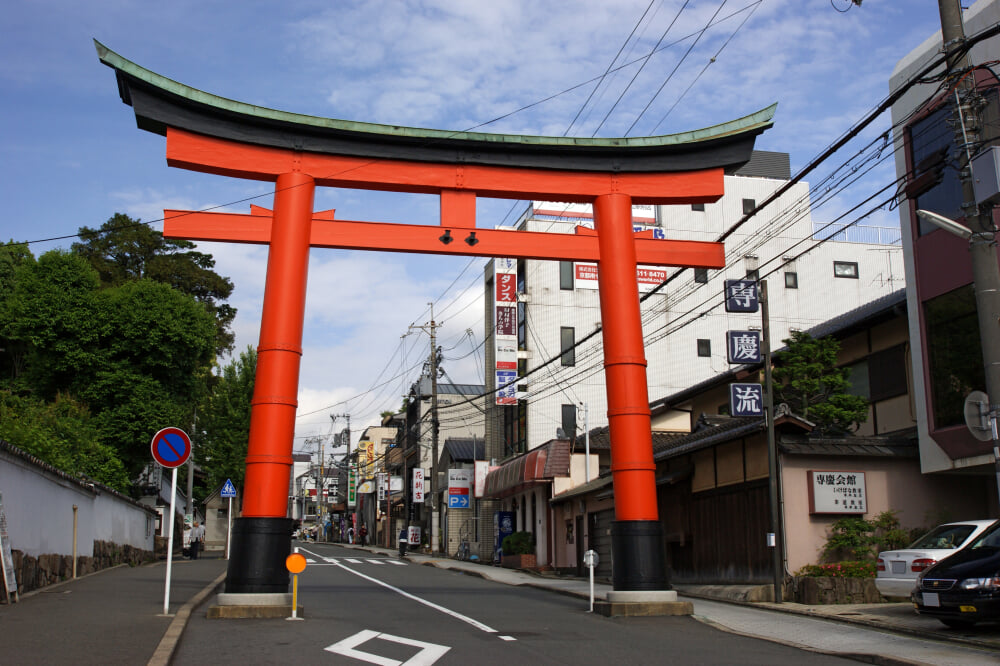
{"points": [[381, 486], [459, 484], [482, 469], [505, 331], [352, 488], [418, 485], [741, 296], [743, 346], [7, 557]]}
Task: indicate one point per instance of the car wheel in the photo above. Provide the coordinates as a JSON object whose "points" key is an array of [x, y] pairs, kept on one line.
{"points": [[958, 624]]}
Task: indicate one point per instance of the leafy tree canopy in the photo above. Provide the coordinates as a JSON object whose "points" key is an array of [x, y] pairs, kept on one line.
{"points": [[136, 355], [809, 382], [62, 434], [224, 422], [125, 250]]}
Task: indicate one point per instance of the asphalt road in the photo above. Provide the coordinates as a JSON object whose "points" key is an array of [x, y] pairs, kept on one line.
{"points": [[375, 609]]}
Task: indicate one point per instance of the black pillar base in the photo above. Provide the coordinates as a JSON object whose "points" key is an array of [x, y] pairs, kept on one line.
{"points": [[257, 556], [639, 560]]}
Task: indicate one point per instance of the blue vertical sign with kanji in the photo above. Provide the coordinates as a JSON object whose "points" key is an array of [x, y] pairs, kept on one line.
{"points": [[746, 400], [741, 296], [743, 346]]}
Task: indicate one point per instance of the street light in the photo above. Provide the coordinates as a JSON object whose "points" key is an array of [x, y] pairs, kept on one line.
{"points": [[951, 226]]}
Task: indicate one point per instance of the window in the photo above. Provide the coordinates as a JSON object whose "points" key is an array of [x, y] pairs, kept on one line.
{"points": [[567, 342], [704, 347], [701, 275], [566, 275], [698, 207], [887, 373], [749, 205], [791, 280], [845, 269], [954, 352], [753, 274], [569, 420]]}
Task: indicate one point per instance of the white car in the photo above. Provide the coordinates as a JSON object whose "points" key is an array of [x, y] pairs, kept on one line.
{"points": [[898, 569]]}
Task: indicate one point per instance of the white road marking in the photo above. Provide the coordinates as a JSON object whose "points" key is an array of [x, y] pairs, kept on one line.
{"points": [[447, 611], [352, 560], [429, 652], [396, 562], [375, 561]]}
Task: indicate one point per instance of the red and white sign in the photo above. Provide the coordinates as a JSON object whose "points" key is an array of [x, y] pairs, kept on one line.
{"points": [[171, 447], [418, 485], [482, 468], [505, 330], [648, 277]]}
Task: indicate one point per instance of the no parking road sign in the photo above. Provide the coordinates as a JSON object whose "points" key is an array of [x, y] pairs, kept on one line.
{"points": [[171, 447]]}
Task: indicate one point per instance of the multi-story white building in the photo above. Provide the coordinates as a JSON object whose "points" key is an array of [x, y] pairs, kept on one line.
{"points": [[684, 322]]}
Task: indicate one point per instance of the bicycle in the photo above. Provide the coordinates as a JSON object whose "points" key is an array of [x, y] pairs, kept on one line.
{"points": [[463, 550]]}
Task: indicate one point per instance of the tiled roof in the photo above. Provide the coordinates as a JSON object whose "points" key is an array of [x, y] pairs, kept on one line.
{"points": [[465, 449]]}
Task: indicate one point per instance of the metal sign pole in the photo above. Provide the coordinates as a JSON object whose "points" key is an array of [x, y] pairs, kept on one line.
{"points": [[229, 527], [170, 540]]}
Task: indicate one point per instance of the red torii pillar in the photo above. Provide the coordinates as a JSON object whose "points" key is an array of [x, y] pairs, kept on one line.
{"points": [[260, 540]]}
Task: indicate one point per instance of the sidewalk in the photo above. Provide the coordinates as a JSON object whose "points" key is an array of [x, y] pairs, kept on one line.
{"points": [[114, 616]]}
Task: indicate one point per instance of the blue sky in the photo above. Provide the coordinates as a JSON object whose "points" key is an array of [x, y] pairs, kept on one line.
{"points": [[72, 155]]}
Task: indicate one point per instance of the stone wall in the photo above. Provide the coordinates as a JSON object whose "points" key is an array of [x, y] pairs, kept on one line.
{"points": [[815, 590], [37, 572]]}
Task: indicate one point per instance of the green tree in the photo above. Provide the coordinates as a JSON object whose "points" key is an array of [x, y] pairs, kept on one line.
{"points": [[224, 422], [48, 319], [136, 355], [125, 250], [62, 434], [809, 382]]}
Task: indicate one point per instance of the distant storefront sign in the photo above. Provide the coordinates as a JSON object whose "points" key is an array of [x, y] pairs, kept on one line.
{"points": [[418, 485], [459, 488]]}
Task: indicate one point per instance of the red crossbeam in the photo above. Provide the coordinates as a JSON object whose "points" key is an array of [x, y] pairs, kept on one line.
{"points": [[426, 239]]}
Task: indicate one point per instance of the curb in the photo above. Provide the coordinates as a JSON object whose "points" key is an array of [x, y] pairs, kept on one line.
{"points": [[168, 644]]}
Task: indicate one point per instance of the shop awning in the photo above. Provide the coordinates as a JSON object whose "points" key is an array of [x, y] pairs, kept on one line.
{"points": [[540, 465]]}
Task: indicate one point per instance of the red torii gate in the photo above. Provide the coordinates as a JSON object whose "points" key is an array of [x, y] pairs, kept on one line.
{"points": [[213, 135]]}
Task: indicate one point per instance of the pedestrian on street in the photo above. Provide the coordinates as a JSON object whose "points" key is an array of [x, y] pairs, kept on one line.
{"points": [[364, 534], [403, 540], [350, 535], [197, 539]]}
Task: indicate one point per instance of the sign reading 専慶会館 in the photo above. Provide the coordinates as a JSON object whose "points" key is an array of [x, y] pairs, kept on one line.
{"points": [[837, 491]]}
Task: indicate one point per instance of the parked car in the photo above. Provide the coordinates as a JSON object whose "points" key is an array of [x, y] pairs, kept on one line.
{"points": [[897, 570], [964, 588]]}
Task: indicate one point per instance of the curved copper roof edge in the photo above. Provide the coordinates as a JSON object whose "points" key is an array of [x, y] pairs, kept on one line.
{"points": [[160, 102]]}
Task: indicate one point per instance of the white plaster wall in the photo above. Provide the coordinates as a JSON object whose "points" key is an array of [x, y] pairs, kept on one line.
{"points": [[39, 509]]}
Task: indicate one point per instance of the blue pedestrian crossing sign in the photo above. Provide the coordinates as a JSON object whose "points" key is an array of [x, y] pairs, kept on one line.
{"points": [[228, 490]]}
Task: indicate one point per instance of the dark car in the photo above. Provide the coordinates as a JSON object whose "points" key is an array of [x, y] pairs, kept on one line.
{"points": [[963, 588]]}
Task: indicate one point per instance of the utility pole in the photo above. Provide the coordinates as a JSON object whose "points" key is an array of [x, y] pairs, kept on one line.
{"points": [[982, 246], [347, 432], [190, 467], [430, 328], [777, 560]]}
